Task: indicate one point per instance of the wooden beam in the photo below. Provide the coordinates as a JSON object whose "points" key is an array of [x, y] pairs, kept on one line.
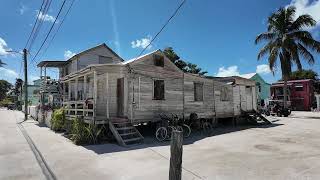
{"points": [[107, 96], [84, 87], [95, 93], [76, 89], [76, 76], [69, 91]]}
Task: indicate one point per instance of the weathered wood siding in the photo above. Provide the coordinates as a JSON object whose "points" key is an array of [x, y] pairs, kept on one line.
{"points": [[223, 107], [109, 96], [140, 88], [236, 100], [205, 108]]}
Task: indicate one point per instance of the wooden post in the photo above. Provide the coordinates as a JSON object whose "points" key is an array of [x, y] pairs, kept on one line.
{"points": [[84, 87], [95, 95], [176, 155], [107, 96], [139, 82], [69, 90], [76, 89]]}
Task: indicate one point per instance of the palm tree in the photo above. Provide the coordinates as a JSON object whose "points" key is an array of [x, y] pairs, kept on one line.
{"points": [[287, 40]]}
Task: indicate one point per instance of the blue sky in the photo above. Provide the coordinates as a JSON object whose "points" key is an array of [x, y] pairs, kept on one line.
{"points": [[216, 35]]}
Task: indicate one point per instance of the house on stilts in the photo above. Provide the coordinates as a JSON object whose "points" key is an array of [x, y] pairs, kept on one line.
{"points": [[100, 87]]}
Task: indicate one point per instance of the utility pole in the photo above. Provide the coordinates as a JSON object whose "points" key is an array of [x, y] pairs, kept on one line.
{"points": [[25, 84]]}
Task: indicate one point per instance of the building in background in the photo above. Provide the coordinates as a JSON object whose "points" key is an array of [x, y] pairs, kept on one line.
{"points": [[262, 87], [301, 93], [33, 93]]}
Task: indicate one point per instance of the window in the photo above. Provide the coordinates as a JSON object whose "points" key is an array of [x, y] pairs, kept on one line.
{"points": [[104, 60], [248, 90], [158, 60], [198, 91], [298, 87], [224, 95], [158, 89]]}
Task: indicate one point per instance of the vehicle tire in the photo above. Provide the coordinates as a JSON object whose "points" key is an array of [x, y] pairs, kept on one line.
{"points": [[161, 134]]}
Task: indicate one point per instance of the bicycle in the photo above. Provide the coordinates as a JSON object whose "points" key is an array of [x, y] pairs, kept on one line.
{"points": [[168, 125]]}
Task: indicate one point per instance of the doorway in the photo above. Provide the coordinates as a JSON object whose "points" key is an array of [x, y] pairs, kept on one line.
{"points": [[120, 97]]}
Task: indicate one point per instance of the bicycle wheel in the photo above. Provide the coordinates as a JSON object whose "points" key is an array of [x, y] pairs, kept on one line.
{"points": [[207, 128], [186, 130], [161, 134], [169, 132]]}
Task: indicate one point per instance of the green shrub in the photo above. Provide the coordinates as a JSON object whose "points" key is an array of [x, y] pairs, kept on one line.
{"points": [[78, 132], [58, 120], [83, 134]]}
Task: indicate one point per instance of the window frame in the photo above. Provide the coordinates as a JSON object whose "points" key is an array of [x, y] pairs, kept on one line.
{"points": [[224, 88], [195, 93], [299, 86], [156, 61], [153, 90]]}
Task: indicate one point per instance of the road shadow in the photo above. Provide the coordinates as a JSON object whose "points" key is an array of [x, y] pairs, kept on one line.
{"points": [[150, 140]]}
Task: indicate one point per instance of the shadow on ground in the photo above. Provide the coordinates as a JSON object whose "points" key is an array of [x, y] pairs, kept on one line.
{"points": [[151, 141]]}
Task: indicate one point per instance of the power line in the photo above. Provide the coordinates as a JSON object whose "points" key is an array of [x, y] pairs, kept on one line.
{"points": [[34, 25], [174, 13], [40, 22], [56, 32], [49, 31]]}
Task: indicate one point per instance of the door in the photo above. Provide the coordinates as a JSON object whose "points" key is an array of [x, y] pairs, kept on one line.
{"points": [[249, 98], [120, 97]]}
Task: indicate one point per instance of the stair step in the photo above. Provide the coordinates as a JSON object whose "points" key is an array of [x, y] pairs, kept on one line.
{"points": [[132, 139], [125, 128], [127, 134]]}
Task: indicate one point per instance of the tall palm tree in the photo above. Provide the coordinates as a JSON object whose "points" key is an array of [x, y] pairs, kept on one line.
{"points": [[287, 40]]}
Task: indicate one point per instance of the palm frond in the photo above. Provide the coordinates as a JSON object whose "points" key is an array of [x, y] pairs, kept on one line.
{"points": [[273, 58], [306, 54], [300, 34], [303, 21], [290, 13], [265, 36], [295, 55], [267, 49]]}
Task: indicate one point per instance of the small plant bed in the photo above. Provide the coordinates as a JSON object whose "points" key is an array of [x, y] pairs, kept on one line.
{"points": [[79, 132]]}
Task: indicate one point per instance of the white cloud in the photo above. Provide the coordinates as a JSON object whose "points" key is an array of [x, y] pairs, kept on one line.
{"points": [[115, 25], [8, 74], [229, 71], [3, 47], [307, 7], [22, 9], [68, 54], [263, 69], [45, 17], [142, 43]]}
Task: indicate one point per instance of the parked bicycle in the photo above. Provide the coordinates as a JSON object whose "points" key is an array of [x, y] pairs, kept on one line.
{"points": [[168, 124], [200, 124]]}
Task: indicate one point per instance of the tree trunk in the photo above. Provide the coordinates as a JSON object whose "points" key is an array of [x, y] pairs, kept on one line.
{"points": [[285, 90]]}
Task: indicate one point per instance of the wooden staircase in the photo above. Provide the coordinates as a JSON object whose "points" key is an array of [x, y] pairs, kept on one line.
{"points": [[124, 132], [256, 118]]}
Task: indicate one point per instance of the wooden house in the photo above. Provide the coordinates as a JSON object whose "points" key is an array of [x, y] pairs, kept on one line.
{"points": [[243, 92], [100, 87]]}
